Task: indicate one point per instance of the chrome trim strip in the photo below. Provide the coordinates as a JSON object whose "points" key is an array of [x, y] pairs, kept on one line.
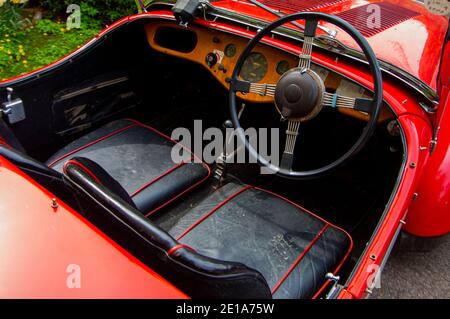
{"points": [[326, 43], [92, 88], [401, 174], [386, 257]]}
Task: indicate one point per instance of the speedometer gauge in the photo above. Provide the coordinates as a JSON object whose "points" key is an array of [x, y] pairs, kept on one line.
{"points": [[254, 68]]}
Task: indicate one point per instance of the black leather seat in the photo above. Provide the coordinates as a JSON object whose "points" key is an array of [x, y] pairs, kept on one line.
{"points": [[292, 248], [138, 157], [239, 242]]}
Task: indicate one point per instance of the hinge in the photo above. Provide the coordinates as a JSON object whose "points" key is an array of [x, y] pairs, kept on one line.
{"points": [[433, 144], [13, 109], [434, 140]]}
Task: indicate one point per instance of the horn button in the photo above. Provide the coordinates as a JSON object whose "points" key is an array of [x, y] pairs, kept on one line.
{"points": [[299, 94]]}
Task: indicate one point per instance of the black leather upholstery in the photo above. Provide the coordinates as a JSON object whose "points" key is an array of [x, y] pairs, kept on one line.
{"points": [[197, 275], [292, 248], [100, 176], [139, 158], [240, 242]]}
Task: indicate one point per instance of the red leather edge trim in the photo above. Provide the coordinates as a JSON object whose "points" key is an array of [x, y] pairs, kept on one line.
{"points": [[174, 249], [307, 211], [215, 209], [187, 190], [136, 123], [91, 143], [295, 204], [299, 259], [326, 222], [319, 292], [172, 169], [3, 142], [73, 162], [167, 137], [304, 252], [157, 178]]}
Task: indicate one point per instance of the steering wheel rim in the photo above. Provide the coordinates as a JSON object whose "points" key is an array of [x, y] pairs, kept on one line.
{"points": [[374, 111]]}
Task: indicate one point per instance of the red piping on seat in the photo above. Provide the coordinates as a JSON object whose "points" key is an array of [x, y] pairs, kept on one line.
{"points": [[157, 178], [91, 143], [184, 147], [327, 223], [299, 259], [182, 193], [307, 211], [167, 137], [292, 203], [136, 123], [305, 251], [3, 143], [318, 293], [95, 178], [215, 209], [174, 249]]}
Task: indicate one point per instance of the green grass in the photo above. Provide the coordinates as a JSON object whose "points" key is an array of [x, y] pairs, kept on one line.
{"points": [[46, 41]]}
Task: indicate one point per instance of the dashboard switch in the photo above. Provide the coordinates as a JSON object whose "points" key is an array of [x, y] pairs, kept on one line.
{"points": [[211, 59], [222, 68]]}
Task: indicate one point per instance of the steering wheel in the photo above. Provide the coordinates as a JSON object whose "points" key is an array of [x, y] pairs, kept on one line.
{"points": [[300, 94]]}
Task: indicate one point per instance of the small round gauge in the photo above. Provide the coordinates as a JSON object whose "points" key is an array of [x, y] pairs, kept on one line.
{"points": [[230, 50], [282, 67], [254, 68]]}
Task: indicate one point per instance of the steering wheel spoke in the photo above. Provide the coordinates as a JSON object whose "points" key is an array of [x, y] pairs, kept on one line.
{"points": [[292, 133], [300, 94], [305, 55], [262, 89], [308, 42], [338, 101]]}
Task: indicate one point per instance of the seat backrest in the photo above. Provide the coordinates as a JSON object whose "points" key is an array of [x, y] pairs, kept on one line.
{"points": [[198, 276], [100, 176]]}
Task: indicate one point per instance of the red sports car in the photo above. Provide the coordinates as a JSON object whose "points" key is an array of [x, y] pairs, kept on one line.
{"points": [[94, 204]]}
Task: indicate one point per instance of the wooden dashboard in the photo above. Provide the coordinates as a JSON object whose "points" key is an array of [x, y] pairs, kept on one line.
{"points": [[218, 52]]}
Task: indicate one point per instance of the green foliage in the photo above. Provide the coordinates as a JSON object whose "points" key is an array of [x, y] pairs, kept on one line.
{"points": [[89, 10], [11, 19], [105, 11], [39, 45], [25, 46]]}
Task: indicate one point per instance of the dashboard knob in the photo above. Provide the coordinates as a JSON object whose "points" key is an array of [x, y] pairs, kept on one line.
{"points": [[211, 59], [228, 124]]}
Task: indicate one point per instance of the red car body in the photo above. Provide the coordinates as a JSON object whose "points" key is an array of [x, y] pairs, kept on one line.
{"points": [[34, 233]]}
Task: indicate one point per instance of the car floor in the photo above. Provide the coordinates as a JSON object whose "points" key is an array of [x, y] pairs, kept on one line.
{"points": [[417, 275]]}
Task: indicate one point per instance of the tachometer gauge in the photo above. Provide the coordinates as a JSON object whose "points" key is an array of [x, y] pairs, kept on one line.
{"points": [[254, 68], [282, 67], [230, 50]]}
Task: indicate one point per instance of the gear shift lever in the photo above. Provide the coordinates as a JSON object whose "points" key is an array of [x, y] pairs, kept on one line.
{"points": [[221, 167]]}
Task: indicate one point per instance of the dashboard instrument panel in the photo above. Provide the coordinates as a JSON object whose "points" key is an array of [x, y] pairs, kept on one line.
{"points": [[218, 52], [255, 67]]}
